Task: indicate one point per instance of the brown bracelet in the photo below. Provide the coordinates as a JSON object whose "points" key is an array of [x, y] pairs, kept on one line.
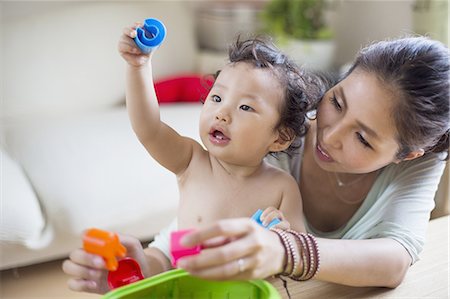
{"points": [[303, 249], [317, 254], [310, 255], [287, 249]]}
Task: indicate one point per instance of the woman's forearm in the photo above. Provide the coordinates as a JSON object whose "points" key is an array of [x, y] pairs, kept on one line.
{"points": [[374, 262]]}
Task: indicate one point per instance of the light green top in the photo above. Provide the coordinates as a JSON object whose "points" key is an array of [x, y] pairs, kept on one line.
{"points": [[398, 206]]}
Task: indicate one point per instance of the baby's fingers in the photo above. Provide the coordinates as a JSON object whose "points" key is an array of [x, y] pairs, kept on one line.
{"points": [[284, 225], [81, 285], [270, 214], [128, 46], [130, 31], [81, 272], [83, 258]]}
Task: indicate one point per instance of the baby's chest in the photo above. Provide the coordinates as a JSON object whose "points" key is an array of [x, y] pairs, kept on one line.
{"points": [[207, 201]]}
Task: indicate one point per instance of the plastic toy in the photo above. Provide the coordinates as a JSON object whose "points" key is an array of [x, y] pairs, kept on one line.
{"points": [[151, 36], [178, 284], [107, 245], [257, 217], [177, 250], [127, 272]]}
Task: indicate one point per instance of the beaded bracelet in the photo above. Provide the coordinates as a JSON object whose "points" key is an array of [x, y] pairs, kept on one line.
{"points": [[317, 254], [310, 255], [287, 249], [303, 252]]}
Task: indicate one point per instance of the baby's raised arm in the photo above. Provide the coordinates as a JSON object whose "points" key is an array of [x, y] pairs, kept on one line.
{"points": [[164, 144]]}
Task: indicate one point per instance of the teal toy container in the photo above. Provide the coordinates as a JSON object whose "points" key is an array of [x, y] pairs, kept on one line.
{"points": [[178, 284]]}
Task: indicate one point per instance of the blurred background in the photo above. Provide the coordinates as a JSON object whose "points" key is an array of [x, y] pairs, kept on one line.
{"points": [[319, 34], [64, 130]]}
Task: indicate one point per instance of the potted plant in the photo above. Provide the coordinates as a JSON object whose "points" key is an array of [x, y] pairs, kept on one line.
{"points": [[301, 30]]}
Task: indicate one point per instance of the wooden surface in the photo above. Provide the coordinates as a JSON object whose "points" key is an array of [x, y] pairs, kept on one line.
{"points": [[427, 278]]}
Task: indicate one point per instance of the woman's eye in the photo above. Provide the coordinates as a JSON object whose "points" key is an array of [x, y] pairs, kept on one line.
{"points": [[335, 103], [246, 108], [216, 98], [363, 140]]}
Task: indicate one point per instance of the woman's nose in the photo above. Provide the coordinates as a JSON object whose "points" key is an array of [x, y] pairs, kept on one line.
{"points": [[332, 136]]}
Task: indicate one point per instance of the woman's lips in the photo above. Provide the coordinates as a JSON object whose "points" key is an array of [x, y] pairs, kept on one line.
{"points": [[322, 154]]}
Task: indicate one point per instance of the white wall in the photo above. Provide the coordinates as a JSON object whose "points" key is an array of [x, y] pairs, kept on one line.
{"points": [[62, 56], [359, 22]]}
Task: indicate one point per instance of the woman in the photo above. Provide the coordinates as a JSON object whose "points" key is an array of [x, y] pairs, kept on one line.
{"points": [[367, 170]]}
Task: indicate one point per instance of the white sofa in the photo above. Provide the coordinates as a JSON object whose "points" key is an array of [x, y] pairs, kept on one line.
{"points": [[69, 158]]}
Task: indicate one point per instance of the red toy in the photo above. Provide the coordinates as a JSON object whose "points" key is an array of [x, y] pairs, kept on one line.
{"points": [[107, 245], [177, 250], [127, 272]]}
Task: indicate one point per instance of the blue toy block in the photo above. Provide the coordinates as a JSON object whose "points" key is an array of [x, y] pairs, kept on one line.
{"points": [[151, 36]]}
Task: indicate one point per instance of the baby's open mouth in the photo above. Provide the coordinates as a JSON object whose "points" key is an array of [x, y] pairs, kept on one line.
{"points": [[219, 135]]}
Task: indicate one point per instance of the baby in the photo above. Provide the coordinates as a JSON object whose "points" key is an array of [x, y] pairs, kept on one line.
{"points": [[256, 106]]}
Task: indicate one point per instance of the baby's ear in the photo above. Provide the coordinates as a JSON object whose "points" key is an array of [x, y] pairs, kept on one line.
{"points": [[285, 137]]}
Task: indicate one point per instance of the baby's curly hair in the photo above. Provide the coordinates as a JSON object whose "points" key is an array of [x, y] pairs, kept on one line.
{"points": [[302, 90]]}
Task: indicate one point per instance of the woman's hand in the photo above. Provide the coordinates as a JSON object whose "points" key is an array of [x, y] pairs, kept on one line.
{"points": [[234, 249], [270, 214], [128, 48], [88, 271]]}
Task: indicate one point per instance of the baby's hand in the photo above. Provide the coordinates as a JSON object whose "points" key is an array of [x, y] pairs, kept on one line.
{"points": [[270, 214], [88, 271], [128, 48]]}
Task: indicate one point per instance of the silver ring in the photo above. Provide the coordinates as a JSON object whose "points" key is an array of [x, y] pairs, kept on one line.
{"points": [[240, 263]]}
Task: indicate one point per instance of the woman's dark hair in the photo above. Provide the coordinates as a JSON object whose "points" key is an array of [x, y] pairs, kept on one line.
{"points": [[302, 90], [417, 71]]}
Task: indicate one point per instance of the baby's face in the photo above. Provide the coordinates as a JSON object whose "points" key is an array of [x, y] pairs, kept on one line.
{"points": [[239, 116]]}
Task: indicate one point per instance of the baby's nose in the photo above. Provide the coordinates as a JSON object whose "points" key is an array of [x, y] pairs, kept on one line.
{"points": [[221, 116]]}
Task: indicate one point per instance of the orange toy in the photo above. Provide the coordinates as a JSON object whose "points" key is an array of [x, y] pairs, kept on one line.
{"points": [[106, 244]]}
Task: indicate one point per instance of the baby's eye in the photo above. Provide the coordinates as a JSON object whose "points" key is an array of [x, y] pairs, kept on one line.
{"points": [[216, 98], [246, 108]]}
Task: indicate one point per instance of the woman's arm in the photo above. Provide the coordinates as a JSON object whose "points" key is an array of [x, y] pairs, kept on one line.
{"points": [[376, 262]]}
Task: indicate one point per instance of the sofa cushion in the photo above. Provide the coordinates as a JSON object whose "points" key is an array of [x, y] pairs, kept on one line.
{"points": [[183, 88], [22, 219], [91, 171]]}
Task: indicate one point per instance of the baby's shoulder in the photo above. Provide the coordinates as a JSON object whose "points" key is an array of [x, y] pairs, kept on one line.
{"points": [[274, 173]]}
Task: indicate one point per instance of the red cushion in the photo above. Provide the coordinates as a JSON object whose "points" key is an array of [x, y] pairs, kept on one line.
{"points": [[186, 88]]}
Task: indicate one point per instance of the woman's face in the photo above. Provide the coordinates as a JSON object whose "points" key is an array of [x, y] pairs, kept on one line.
{"points": [[355, 130]]}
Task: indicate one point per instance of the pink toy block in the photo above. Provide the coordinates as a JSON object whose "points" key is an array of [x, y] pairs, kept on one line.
{"points": [[177, 250]]}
